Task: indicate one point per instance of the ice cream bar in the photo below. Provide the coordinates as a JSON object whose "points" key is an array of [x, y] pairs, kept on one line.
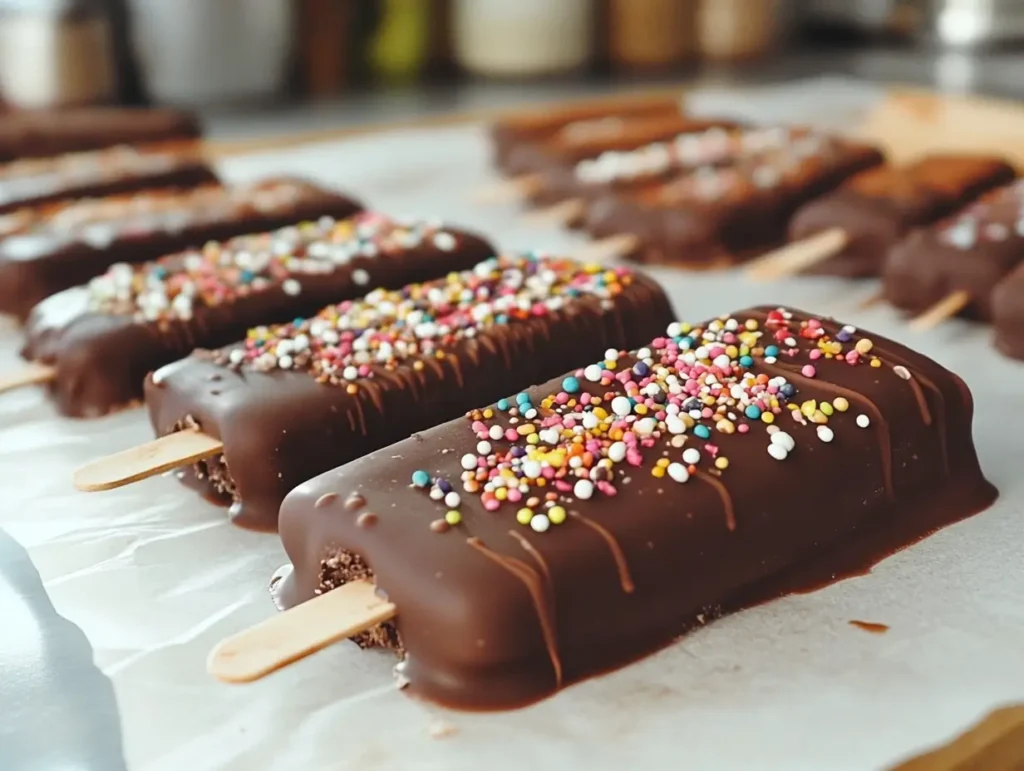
{"points": [[877, 208], [582, 121], [296, 400], [566, 150], [588, 521], [971, 251], [44, 133], [44, 250], [103, 338], [721, 214], [38, 181], [629, 171], [1008, 314]]}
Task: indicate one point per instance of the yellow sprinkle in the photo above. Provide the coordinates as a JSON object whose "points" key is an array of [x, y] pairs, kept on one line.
{"points": [[600, 413], [417, 365], [687, 420], [615, 434], [556, 515], [658, 472], [609, 364], [826, 408], [685, 327], [744, 350], [596, 400], [525, 429], [732, 351], [840, 404], [876, 363], [351, 388], [726, 426], [501, 493], [818, 417], [663, 462], [532, 438], [640, 409], [808, 407], [767, 417], [864, 346], [523, 516], [722, 463], [540, 482], [592, 267], [750, 324], [452, 518], [488, 413], [546, 403]]}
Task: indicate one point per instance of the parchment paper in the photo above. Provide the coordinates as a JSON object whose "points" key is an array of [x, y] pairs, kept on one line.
{"points": [[151, 577]]}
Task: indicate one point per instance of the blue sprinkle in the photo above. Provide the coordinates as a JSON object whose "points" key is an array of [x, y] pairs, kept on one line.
{"points": [[571, 385], [746, 361], [640, 369], [685, 343], [522, 398], [248, 276], [420, 478], [787, 390], [753, 412], [444, 486], [843, 336], [771, 350], [702, 431], [503, 405]]}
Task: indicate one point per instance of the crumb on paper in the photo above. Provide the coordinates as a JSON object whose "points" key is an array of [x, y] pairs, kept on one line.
{"points": [[440, 729]]}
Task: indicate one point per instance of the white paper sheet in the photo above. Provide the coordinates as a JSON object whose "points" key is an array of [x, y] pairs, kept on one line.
{"points": [[153, 576]]}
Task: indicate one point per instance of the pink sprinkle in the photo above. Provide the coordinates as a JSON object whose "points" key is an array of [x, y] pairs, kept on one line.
{"points": [[634, 458], [743, 428], [715, 352], [629, 438], [514, 495], [547, 472], [607, 488], [584, 398], [563, 486], [813, 323], [808, 371], [852, 357], [706, 412], [492, 504], [562, 397], [815, 354], [478, 426], [711, 449], [511, 435], [569, 422], [772, 388]]}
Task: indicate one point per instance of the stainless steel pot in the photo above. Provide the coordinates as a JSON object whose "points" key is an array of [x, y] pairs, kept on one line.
{"points": [[202, 52]]}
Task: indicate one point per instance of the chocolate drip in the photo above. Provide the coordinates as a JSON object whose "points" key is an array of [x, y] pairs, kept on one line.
{"points": [[621, 563], [535, 585], [723, 493]]}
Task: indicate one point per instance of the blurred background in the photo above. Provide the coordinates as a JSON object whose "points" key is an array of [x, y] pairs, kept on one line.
{"points": [[305, 62]]}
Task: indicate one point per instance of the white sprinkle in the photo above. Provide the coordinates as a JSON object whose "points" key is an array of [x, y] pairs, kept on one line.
{"points": [[674, 329], [678, 472], [452, 500], [583, 489], [445, 241], [902, 371], [621, 406], [350, 373], [863, 420], [291, 287], [590, 421], [532, 469], [721, 361], [691, 456], [611, 355], [617, 452], [549, 435], [483, 447], [436, 494], [495, 433], [237, 356], [360, 277], [777, 451], [825, 433], [592, 373], [675, 425], [469, 461], [783, 440], [540, 522], [645, 426]]}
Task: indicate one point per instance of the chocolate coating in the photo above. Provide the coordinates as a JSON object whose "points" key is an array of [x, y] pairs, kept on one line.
{"points": [[114, 171], [44, 133], [878, 208], [51, 249], [577, 121], [492, 614], [972, 251], [721, 215], [103, 355], [1008, 314], [280, 428]]}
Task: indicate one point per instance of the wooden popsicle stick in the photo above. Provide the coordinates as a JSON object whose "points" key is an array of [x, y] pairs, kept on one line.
{"points": [[146, 460], [509, 190], [561, 213], [33, 374], [796, 257], [944, 309], [299, 632], [608, 248]]}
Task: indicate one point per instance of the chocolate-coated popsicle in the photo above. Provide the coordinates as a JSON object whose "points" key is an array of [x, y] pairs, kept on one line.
{"points": [[969, 253], [590, 520], [122, 169], [720, 215], [45, 250], [102, 339], [296, 400], [1008, 314], [45, 133], [879, 207]]}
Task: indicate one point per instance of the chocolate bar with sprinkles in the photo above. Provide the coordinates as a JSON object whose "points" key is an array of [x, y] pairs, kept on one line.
{"points": [[566, 150], [48, 249], [588, 521], [1008, 314], [104, 338], [578, 122], [723, 214], [970, 252], [39, 181], [45, 133], [655, 163], [296, 400], [879, 207]]}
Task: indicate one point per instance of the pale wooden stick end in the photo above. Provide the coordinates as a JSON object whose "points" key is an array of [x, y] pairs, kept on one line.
{"points": [[561, 213], [146, 460], [796, 257], [299, 632], [33, 373], [609, 248], [944, 309]]}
